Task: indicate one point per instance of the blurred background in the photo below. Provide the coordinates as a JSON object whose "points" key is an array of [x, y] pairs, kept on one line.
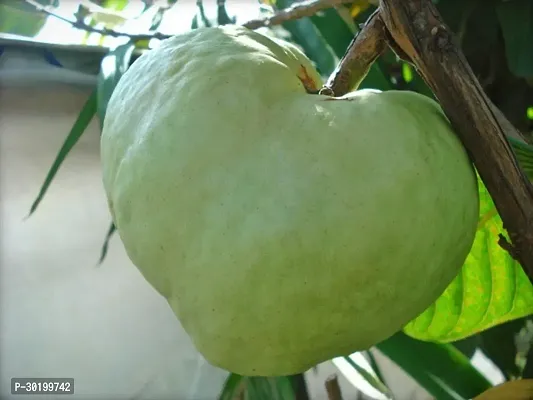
{"points": [[63, 313]]}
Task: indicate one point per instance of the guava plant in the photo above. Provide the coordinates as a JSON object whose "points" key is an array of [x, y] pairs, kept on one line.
{"points": [[287, 221]]}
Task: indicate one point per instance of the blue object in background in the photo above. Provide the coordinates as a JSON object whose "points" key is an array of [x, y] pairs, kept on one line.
{"points": [[51, 59]]}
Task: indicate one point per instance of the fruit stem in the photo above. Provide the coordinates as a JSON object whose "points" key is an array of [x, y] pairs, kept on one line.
{"points": [[364, 49]]}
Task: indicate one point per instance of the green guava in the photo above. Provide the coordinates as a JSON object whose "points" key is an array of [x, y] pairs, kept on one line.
{"points": [[283, 228]]}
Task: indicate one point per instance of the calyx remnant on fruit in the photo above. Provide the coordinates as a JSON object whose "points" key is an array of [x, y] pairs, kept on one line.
{"points": [[282, 228]]}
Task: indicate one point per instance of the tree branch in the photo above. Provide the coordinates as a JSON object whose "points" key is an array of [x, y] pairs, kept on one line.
{"points": [[364, 49], [48, 10], [299, 10], [333, 388]]}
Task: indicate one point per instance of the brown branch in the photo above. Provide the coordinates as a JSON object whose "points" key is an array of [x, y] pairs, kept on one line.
{"points": [[418, 29], [299, 10], [364, 49], [332, 388], [48, 10]]}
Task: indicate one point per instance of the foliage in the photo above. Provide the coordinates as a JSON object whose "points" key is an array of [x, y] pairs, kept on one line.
{"points": [[489, 305]]}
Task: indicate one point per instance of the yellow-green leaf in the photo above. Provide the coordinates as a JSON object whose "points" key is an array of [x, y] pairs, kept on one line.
{"points": [[490, 289]]}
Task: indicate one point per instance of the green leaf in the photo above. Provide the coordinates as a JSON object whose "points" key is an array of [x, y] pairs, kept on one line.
{"points": [[257, 388], [157, 19], [441, 369], [112, 229], [277, 388], [200, 19], [306, 34], [82, 122], [116, 5], [336, 32], [491, 288], [222, 15], [358, 371], [112, 67], [469, 345], [516, 20], [231, 386], [20, 18]]}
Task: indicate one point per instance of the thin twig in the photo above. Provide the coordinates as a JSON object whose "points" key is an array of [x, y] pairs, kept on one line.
{"points": [[332, 388], [299, 10], [365, 48], [102, 31]]}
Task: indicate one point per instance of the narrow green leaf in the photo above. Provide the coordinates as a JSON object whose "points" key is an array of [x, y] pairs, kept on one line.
{"points": [[200, 19], [516, 20], [337, 33], [306, 34], [157, 19], [491, 288], [262, 388], [105, 246], [222, 14], [21, 18], [82, 122], [258, 388], [440, 368], [113, 66], [231, 386], [375, 367], [358, 371], [295, 386], [285, 387], [469, 345]]}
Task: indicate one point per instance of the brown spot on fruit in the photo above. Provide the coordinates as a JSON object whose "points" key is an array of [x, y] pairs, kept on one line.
{"points": [[308, 82]]}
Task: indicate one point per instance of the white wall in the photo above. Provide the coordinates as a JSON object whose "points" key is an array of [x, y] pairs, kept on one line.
{"points": [[60, 314]]}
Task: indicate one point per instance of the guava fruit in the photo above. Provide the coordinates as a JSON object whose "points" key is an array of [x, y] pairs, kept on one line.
{"points": [[284, 228]]}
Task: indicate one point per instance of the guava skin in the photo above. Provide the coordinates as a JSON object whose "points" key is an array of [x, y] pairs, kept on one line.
{"points": [[283, 228]]}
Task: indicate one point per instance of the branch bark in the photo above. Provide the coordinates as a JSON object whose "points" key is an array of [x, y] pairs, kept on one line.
{"points": [[299, 10], [364, 49]]}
